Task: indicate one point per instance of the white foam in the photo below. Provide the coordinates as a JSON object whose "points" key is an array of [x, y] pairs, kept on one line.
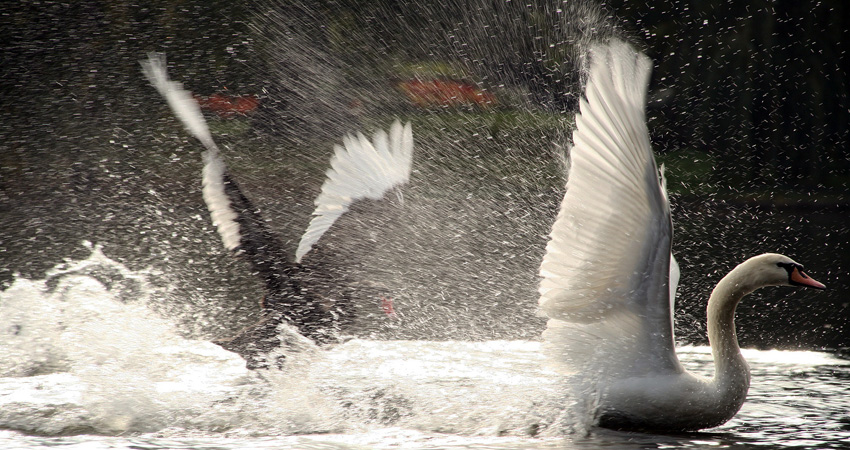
{"points": [[73, 345], [82, 358], [79, 354]]}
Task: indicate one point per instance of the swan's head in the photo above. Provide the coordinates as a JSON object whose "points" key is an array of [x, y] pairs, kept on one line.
{"points": [[772, 269]]}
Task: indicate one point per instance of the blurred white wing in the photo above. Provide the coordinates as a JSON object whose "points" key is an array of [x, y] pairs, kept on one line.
{"points": [[180, 100], [186, 108], [605, 276], [359, 170]]}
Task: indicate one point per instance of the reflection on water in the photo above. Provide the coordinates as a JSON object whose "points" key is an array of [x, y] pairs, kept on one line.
{"points": [[90, 367]]}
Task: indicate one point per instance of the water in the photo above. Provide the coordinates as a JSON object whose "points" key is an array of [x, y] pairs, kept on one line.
{"points": [[97, 354], [86, 364], [87, 144]]}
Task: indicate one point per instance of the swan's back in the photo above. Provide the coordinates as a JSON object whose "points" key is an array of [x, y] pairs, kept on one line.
{"points": [[605, 276]]}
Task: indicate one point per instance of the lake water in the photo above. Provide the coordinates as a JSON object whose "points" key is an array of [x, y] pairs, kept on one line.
{"points": [[85, 363]]}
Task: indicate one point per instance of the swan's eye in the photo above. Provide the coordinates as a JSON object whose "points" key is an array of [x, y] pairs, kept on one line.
{"points": [[789, 267]]}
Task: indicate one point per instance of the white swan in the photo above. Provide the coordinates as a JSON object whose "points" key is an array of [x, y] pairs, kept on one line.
{"points": [[609, 279]]}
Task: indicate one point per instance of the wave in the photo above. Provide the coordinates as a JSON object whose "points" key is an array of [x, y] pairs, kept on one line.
{"points": [[83, 353]]}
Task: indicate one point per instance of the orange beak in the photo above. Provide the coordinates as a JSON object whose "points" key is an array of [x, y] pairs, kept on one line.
{"points": [[799, 278]]}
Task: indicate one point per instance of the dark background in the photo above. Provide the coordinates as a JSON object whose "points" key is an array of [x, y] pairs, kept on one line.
{"points": [[749, 108]]}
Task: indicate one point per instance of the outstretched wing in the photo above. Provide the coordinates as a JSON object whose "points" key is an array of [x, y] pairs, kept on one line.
{"points": [[239, 224], [361, 169], [606, 271]]}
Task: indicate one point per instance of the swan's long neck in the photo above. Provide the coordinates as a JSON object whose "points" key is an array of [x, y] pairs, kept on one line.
{"points": [[731, 372]]}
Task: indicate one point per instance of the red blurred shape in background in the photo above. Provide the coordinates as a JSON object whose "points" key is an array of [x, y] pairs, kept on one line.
{"points": [[425, 93], [227, 106]]}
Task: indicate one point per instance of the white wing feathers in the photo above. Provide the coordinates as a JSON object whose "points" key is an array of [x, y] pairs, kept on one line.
{"points": [[606, 268], [180, 100], [224, 218], [186, 108], [359, 170]]}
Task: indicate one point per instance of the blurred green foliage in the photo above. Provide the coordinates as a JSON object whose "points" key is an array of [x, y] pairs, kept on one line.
{"points": [[759, 88]]}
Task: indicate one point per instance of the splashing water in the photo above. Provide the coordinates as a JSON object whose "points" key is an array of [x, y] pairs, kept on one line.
{"points": [[85, 360], [83, 355], [93, 359]]}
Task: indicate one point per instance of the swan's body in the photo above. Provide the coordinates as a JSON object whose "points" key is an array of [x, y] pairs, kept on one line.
{"points": [[609, 278]]}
